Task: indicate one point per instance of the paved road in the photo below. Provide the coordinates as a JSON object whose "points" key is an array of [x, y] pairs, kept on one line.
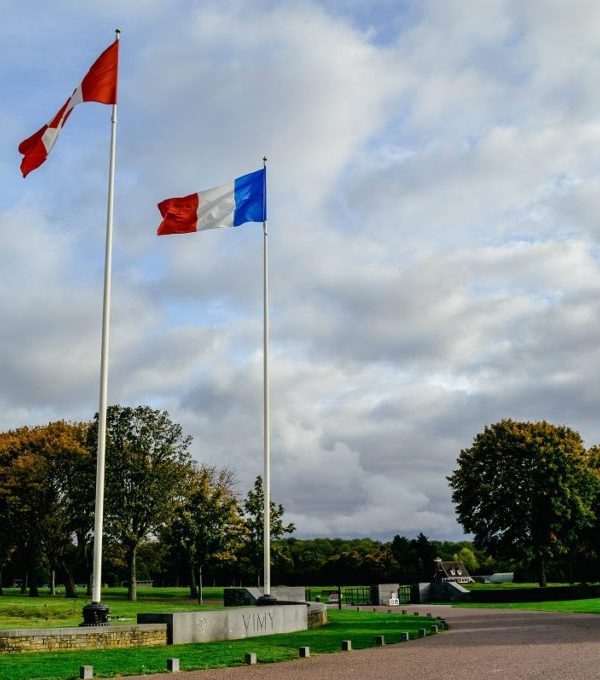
{"points": [[482, 644]]}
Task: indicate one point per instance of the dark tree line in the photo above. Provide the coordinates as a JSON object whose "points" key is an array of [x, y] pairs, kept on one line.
{"points": [[528, 492], [166, 517]]}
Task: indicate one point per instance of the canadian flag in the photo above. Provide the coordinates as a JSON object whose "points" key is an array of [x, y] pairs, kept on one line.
{"points": [[99, 85]]}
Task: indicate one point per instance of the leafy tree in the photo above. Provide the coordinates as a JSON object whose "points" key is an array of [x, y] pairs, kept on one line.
{"points": [[253, 512], [524, 490], [468, 558], [585, 552], [147, 463], [405, 556], [45, 486], [8, 526], [426, 553], [207, 524]]}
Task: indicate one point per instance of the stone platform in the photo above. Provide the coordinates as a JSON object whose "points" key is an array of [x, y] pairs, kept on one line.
{"points": [[89, 637], [236, 623]]}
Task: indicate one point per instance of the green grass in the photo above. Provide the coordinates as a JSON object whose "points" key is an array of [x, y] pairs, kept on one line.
{"points": [[21, 611], [591, 606], [504, 586], [360, 627]]}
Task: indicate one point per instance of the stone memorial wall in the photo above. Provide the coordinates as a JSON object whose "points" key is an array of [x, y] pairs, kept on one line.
{"points": [[94, 637], [235, 623]]}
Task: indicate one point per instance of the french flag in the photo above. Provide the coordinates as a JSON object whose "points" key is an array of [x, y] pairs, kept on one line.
{"points": [[230, 205]]}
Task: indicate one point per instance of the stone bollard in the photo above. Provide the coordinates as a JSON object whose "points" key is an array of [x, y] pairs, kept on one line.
{"points": [[173, 665], [404, 637], [380, 640], [422, 632], [250, 658], [304, 652], [346, 645], [86, 672]]}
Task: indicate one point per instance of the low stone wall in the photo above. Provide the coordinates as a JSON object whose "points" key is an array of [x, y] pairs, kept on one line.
{"points": [[317, 615], [437, 591], [230, 624], [246, 597], [382, 592], [94, 637]]}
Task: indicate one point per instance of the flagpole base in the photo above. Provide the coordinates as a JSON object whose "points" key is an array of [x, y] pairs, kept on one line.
{"points": [[266, 601], [95, 614]]}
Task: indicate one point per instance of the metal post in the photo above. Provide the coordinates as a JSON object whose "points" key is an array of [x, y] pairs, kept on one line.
{"points": [[266, 598], [97, 613]]}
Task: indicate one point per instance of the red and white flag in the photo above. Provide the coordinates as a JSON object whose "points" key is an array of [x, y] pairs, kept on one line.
{"points": [[99, 85]]}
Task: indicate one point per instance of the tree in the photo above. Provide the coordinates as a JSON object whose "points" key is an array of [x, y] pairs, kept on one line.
{"points": [[207, 524], [46, 484], [584, 556], [147, 462], [253, 508], [468, 558], [524, 490]]}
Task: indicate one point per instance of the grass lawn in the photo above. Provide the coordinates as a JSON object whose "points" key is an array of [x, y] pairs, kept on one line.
{"points": [[591, 606], [510, 586], [360, 627], [21, 611]]}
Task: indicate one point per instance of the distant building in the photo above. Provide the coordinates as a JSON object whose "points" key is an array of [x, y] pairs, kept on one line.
{"points": [[450, 572]]}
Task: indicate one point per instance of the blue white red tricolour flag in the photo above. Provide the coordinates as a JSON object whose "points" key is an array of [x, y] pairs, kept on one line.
{"points": [[230, 205]]}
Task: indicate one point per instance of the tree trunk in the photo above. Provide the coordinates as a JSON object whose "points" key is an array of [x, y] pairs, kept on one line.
{"points": [[193, 584], [200, 593], [132, 587], [1, 584], [70, 589], [24, 583], [83, 557], [52, 582], [542, 572], [570, 569], [33, 585]]}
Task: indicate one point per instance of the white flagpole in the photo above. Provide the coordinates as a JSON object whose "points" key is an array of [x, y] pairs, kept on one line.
{"points": [[98, 614], [267, 408]]}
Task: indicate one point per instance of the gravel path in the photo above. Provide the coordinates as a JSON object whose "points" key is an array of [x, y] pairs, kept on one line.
{"points": [[482, 644]]}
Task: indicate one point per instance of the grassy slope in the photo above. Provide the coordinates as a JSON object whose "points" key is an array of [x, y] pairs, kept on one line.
{"points": [[591, 606], [509, 586], [20, 611], [360, 627]]}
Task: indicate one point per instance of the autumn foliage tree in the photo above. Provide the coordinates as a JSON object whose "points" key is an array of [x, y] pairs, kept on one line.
{"points": [[525, 491], [42, 473]]}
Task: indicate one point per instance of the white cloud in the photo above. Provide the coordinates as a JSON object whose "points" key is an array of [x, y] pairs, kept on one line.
{"points": [[433, 199]]}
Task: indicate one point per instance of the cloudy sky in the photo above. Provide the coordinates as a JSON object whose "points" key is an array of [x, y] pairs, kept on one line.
{"points": [[434, 218]]}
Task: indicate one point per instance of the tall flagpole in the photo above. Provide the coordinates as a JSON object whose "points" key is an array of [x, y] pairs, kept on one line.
{"points": [[97, 613], [267, 409]]}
